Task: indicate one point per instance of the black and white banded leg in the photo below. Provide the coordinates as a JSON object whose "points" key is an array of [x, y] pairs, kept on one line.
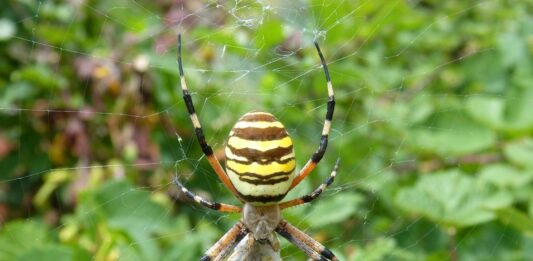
{"points": [[225, 245], [311, 247], [206, 203], [207, 150], [319, 153], [315, 194]]}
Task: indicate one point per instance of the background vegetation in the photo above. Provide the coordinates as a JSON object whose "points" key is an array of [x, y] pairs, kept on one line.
{"points": [[434, 124]]}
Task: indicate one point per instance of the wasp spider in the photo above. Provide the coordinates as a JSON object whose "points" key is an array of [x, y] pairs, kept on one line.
{"points": [[259, 172]]}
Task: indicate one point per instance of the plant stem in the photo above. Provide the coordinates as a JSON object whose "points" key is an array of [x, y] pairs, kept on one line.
{"points": [[452, 233]]}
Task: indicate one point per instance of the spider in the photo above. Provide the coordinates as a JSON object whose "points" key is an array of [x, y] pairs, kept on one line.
{"points": [[260, 168]]}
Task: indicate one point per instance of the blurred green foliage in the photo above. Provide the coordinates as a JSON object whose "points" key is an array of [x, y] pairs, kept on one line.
{"points": [[434, 124]]}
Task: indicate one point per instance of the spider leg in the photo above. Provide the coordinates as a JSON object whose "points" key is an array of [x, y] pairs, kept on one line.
{"points": [[206, 149], [319, 153], [206, 203], [226, 243], [311, 247], [315, 194]]}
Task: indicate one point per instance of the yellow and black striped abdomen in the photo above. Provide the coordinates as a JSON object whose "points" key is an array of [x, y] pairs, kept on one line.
{"points": [[260, 158]]}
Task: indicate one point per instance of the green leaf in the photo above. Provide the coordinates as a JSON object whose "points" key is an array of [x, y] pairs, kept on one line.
{"points": [[515, 182], [21, 236], [127, 210], [530, 206], [15, 93], [513, 48], [503, 175], [53, 34], [510, 114], [189, 245], [48, 253], [40, 76], [30, 240], [377, 250], [487, 70], [517, 219], [520, 152], [334, 209], [129, 17], [452, 198], [420, 108], [452, 133]]}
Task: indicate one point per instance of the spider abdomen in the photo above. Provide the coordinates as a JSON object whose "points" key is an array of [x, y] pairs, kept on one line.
{"points": [[260, 158]]}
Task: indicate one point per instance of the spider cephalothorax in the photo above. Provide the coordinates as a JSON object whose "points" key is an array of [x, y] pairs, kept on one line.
{"points": [[260, 167], [261, 221]]}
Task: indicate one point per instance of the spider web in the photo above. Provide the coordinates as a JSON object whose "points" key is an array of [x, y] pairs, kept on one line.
{"points": [[94, 159]]}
